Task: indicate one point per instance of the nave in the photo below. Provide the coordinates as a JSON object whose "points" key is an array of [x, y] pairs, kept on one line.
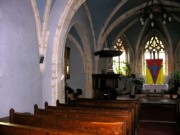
{"points": [[82, 116], [125, 116]]}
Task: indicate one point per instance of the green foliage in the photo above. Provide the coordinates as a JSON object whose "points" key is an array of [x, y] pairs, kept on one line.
{"points": [[117, 68], [174, 82], [139, 81], [124, 70], [127, 69]]}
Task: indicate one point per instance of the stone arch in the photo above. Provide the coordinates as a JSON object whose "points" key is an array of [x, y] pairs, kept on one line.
{"points": [[129, 13], [86, 55], [41, 27], [77, 44], [57, 73], [37, 20]]}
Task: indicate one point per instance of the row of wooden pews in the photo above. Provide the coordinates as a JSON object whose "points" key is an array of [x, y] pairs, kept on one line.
{"points": [[132, 105], [83, 116], [25, 124]]}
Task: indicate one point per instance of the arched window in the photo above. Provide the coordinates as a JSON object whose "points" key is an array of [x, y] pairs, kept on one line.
{"points": [[119, 61], [154, 45]]}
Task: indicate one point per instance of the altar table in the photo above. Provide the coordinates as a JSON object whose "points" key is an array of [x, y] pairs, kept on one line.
{"points": [[155, 87]]}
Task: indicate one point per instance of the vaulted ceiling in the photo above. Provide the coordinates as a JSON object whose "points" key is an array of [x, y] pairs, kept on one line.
{"points": [[121, 17]]}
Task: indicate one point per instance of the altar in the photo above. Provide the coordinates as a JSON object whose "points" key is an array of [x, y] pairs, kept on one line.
{"points": [[155, 87]]}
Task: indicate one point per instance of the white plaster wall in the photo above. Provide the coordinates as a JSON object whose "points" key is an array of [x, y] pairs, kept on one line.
{"points": [[20, 77]]}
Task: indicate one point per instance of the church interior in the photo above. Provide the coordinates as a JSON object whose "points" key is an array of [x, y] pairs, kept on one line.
{"points": [[90, 67]]}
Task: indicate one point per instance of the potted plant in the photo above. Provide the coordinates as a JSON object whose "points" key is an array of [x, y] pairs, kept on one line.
{"points": [[174, 82], [138, 83]]}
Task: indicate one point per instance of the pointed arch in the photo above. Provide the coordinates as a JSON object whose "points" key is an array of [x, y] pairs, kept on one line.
{"points": [[78, 46], [140, 50], [86, 56], [57, 81]]}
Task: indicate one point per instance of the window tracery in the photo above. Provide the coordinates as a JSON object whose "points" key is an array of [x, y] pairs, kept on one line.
{"points": [[154, 49]]}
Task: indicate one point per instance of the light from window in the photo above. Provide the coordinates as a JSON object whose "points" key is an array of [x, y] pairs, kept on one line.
{"points": [[119, 61], [154, 45]]}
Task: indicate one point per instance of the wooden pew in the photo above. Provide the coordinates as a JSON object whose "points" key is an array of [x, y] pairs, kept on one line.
{"points": [[91, 127], [87, 101], [97, 110], [16, 129], [82, 116], [134, 104], [124, 102]]}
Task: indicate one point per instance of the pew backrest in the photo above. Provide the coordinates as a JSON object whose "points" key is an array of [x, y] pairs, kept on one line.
{"points": [[84, 116], [83, 126], [16, 129], [102, 111]]}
